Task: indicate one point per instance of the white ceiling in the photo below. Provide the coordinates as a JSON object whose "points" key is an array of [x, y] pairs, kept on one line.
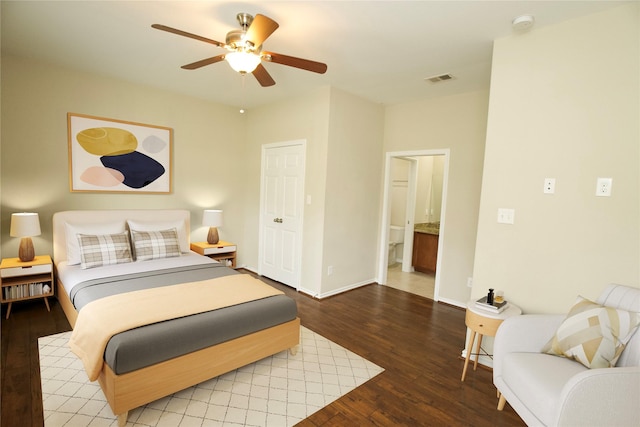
{"points": [[380, 50]]}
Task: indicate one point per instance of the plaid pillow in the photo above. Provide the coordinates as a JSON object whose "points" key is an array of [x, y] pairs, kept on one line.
{"points": [[107, 249], [155, 244]]}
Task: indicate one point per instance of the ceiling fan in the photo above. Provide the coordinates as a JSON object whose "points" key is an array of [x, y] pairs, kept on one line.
{"points": [[245, 49]]}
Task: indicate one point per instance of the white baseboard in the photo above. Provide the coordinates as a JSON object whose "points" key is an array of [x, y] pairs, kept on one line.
{"points": [[453, 302], [346, 288], [327, 294]]}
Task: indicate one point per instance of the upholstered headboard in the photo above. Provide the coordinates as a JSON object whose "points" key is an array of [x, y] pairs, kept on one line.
{"points": [[98, 217]]}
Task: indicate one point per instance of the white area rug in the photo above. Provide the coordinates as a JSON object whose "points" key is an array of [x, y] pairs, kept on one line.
{"points": [[280, 390]]}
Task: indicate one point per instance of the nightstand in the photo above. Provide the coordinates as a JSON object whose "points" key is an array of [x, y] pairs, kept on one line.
{"points": [[483, 322], [23, 281], [221, 251]]}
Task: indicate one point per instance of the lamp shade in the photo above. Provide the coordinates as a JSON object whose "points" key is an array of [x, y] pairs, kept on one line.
{"points": [[212, 218], [243, 62], [24, 224]]}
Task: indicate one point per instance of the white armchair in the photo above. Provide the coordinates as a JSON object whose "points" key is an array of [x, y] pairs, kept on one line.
{"points": [[547, 390]]}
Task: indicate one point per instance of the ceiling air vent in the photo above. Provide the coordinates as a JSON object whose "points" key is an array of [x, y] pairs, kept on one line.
{"points": [[440, 78]]}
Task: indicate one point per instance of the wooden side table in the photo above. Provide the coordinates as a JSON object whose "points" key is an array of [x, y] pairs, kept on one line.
{"points": [[221, 251], [483, 322], [21, 281]]}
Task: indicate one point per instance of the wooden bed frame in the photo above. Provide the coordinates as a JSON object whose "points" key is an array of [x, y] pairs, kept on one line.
{"points": [[131, 390]]}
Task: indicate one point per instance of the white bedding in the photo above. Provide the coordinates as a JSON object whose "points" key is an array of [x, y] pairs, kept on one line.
{"points": [[71, 275]]}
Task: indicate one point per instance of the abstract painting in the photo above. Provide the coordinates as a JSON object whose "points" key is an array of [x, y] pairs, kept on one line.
{"points": [[116, 156]]}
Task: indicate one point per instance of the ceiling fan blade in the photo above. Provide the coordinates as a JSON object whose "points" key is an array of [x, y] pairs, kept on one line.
{"points": [[204, 62], [261, 28], [185, 34], [262, 75], [292, 61]]}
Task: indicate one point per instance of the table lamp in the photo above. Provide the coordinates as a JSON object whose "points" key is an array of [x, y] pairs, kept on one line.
{"points": [[212, 218], [25, 225]]}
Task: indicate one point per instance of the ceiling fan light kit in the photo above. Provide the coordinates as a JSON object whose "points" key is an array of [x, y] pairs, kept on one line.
{"points": [[242, 62], [245, 49]]}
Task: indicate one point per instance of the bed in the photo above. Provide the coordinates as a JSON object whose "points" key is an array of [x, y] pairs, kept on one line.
{"points": [[220, 338]]}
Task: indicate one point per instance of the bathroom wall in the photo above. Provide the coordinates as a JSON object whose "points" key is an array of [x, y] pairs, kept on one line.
{"points": [[399, 186], [429, 189]]}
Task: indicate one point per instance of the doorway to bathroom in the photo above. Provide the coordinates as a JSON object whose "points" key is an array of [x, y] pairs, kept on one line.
{"points": [[413, 221]]}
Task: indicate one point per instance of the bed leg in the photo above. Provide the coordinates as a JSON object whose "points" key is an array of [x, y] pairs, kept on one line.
{"points": [[122, 419], [293, 350]]}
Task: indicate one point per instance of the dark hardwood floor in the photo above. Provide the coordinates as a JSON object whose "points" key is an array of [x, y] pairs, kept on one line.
{"points": [[417, 341]]}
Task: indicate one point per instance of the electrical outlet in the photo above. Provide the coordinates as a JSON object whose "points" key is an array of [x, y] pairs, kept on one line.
{"points": [[469, 282], [330, 270], [603, 187], [549, 185]]}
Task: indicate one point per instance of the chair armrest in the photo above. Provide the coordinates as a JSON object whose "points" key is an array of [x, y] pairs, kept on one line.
{"points": [[601, 397], [523, 334]]}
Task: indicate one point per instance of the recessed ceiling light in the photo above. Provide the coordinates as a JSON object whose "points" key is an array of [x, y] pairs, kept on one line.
{"points": [[523, 22]]}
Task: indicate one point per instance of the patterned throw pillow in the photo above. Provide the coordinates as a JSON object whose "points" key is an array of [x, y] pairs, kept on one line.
{"points": [[593, 334], [107, 249], [155, 244], [178, 224], [71, 232]]}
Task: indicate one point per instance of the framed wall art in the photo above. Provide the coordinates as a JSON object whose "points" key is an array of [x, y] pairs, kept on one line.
{"points": [[116, 156]]}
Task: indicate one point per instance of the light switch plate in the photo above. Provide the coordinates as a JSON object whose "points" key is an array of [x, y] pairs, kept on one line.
{"points": [[506, 216]]}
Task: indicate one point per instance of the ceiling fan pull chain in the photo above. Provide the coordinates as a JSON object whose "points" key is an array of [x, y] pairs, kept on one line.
{"points": [[243, 75]]}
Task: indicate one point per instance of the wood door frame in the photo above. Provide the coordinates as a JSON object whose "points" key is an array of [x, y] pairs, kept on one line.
{"points": [[264, 148], [383, 257]]}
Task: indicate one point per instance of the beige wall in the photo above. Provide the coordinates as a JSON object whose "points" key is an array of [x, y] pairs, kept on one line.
{"points": [[304, 118], [457, 123], [208, 148], [555, 112], [216, 153], [352, 212], [564, 104], [343, 136]]}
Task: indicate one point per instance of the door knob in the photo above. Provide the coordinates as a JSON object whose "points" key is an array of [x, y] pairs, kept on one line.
{"points": [[278, 220]]}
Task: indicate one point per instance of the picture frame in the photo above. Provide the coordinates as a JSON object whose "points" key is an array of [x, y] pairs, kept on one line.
{"points": [[118, 156]]}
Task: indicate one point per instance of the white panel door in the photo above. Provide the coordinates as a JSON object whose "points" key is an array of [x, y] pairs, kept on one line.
{"points": [[281, 212]]}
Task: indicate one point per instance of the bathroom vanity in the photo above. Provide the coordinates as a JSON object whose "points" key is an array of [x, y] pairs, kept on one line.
{"points": [[425, 247]]}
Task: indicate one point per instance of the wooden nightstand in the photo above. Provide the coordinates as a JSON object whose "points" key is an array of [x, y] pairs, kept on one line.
{"points": [[483, 322], [23, 281], [221, 251]]}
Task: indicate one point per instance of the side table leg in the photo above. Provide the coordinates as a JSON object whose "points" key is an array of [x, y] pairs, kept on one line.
{"points": [[9, 310], [466, 360], [46, 302], [475, 363]]}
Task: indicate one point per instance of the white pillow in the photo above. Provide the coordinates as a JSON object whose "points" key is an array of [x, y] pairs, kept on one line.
{"points": [[178, 224], [72, 230]]}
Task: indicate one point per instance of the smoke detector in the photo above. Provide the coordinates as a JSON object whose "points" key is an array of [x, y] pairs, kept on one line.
{"points": [[523, 22]]}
